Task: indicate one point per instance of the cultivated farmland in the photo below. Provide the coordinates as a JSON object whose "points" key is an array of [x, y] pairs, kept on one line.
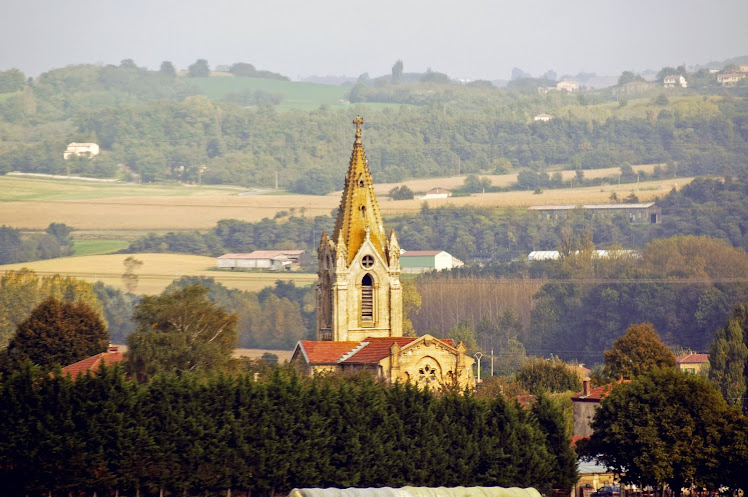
{"points": [[157, 271], [127, 208]]}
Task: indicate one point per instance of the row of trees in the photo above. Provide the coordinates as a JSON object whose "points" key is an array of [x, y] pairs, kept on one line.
{"points": [[706, 206], [183, 434], [15, 247]]}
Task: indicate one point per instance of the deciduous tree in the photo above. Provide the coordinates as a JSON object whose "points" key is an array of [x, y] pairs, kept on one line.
{"points": [[662, 427], [181, 331], [57, 332], [637, 352]]}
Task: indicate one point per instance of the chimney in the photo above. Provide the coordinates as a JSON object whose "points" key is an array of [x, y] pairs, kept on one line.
{"points": [[112, 348], [586, 383]]}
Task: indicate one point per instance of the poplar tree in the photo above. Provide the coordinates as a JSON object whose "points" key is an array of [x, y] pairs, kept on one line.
{"points": [[728, 359]]}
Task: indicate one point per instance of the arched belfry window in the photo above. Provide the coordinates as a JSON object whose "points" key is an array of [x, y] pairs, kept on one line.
{"points": [[367, 298]]}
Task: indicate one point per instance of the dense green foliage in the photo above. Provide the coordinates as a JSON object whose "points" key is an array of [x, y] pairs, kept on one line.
{"points": [[56, 333], [670, 427], [540, 375], [22, 291], [637, 352], [709, 207], [186, 435], [275, 318], [728, 358], [180, 330], [153, 123], [18, 247]]}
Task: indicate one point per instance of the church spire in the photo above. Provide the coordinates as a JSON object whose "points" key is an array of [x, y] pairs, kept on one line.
{"points": [[359, 210]]}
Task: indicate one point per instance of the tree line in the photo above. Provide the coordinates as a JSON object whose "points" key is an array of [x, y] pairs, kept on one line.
{"points": [[188, 434], [16, 246], [707, 206], [160, 129]]}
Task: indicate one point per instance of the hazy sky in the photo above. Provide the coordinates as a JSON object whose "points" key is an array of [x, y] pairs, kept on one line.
{"points": [[463, 38]]}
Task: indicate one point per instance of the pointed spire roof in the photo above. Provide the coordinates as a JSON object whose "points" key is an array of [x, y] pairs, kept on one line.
{"points": [[359, 215]]}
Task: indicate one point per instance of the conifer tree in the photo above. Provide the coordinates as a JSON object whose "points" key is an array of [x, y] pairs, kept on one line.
{"points": [[553, 424]]}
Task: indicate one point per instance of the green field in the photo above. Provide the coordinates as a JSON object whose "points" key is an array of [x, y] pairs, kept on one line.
{"points": [[97, 247], [296, 95], [25, 189]]}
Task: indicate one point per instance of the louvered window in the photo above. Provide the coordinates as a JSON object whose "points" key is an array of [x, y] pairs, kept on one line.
{"points": [[367, 299]]}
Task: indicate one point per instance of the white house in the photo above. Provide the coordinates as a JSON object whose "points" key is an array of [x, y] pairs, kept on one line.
{"points": [[674, 80], [273, 260], [543, 117], [569, 86], [436, 193], [81, 150], [420, 261], [730, 78]]}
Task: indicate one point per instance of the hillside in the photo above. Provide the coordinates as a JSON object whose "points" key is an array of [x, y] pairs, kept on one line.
{"points": [[257, 133]]}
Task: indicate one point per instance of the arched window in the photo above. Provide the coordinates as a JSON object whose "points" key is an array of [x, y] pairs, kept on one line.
{"points": [[367, 298]]}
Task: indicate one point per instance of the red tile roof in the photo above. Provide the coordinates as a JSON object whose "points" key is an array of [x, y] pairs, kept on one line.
{"points": [[368, 351], [577, 438], [377, 349], [325, 352], [93, 363], [693, 359], [598, 393]]}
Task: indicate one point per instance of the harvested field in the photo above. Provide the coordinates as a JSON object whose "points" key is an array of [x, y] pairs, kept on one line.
{"points": [[502, 180], [167, 211], [157, 271], [648, 191]]}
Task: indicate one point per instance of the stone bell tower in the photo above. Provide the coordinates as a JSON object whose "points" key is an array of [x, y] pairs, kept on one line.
{"points": [[358, 291]]}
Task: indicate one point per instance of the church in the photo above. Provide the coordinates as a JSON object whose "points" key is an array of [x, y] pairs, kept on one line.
{"points": [[359, 299]]}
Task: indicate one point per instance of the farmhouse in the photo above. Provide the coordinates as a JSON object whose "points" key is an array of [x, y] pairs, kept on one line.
{"points": [[360, 302], [544, 118], [420, 261], [674, 80], [273, 260], [692, 363], [646, 213], [81, 150], [436, 193], [92, 364], [568, 86], [730, 79]]}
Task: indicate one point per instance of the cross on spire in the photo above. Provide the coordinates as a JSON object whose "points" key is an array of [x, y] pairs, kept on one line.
{"points": [[358, 122]]}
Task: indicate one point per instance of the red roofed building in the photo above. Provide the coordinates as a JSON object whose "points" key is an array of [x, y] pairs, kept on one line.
{"points": [[422, 360], [359, 298], [93, 363], [692, 363], [584, 405]]}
